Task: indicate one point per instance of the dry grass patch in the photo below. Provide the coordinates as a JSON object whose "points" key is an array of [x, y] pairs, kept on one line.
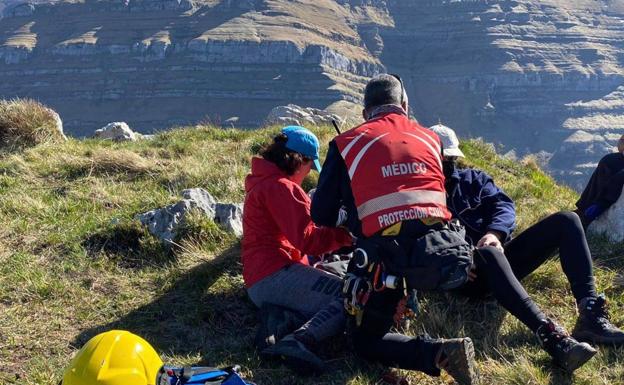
{"points": [[27, 123], [111, 162]]}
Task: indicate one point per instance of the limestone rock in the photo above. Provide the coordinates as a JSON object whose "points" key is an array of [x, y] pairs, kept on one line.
{"points": [[117, 131], [26, 122], [597, 125], [202, 199], [164, 222], [58, 126], [611, 222], [525, 74], [230, 217], [293, 114]]}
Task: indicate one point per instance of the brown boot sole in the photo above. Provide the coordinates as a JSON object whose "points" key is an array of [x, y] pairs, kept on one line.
{"points": [[465, 360]]}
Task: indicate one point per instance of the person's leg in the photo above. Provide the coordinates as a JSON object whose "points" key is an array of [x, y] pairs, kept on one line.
{"points": [[313, 293], [372, 341], [561, 231], [564, 231], [494, 272], [493, 267]]}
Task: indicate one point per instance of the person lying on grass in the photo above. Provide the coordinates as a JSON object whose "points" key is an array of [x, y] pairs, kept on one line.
{"points": [[278, 233], [489, 217]]}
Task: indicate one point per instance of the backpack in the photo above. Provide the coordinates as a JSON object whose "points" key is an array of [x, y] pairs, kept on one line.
{"points": [[438, 259], [201, 376]]}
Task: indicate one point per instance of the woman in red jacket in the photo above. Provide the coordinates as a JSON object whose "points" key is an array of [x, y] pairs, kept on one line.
{"points": [[277, 235]]}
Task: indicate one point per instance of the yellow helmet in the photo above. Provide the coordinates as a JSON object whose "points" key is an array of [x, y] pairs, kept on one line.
{"points": [[116, 357]]}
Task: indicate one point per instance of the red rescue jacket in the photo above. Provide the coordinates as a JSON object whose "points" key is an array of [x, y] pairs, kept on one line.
{"points": [[395, 166], [277, 228]]}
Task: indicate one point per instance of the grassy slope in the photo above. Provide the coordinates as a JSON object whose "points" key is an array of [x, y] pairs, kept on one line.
{"points": [[73, 263]]}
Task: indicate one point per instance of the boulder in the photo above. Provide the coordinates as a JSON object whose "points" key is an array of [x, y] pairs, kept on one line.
{"points": [[117, 131], [164, 222], [293, 114], [611, 222], [26, 122], [201, 199], [230, 217]]}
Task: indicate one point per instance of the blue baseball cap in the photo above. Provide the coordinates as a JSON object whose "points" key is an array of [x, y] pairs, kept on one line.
{"points": [[303, 141]]}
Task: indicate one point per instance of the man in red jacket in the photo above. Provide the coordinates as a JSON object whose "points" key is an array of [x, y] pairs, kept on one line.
{"points": [[388, 174]]}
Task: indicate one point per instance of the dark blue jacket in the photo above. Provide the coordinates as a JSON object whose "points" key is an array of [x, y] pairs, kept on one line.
{"points": [[333, 191], [474, 199]]}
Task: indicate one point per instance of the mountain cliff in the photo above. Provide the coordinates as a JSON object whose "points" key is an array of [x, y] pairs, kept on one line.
{"points": [[531, 75], [156, 63]]}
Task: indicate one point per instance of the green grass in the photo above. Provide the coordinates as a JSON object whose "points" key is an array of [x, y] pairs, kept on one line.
{"points": [[74, 262]]}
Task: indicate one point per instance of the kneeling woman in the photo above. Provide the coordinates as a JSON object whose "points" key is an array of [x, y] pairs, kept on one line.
{"points": [[278, 233]]}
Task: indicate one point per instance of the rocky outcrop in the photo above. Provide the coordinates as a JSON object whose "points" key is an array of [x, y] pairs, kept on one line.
{"points": [[165, 222], [58, 123], [117, 131], [300, 116], [611, 222], [26, 122]]}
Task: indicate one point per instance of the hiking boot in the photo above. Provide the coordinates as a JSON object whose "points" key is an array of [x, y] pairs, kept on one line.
{"points": [[275, 322], [296, 354], [565, 350], [593, 323], [456, 357]]}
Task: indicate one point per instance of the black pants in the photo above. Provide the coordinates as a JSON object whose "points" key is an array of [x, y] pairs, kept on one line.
{"points": [[561, 232], [495, 276], [499, 274], [373, 341]]}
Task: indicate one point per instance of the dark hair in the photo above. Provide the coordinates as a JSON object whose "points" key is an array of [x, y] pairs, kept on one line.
{"points": [[285, 159], [383, 89]]}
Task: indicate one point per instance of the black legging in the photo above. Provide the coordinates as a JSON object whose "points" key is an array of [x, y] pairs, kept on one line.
{"points": [[372, 341], [494, 275], [499, 274], [562, 231]]}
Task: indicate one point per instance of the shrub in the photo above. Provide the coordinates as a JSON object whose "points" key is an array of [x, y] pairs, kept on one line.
{"points": [[26, 123]]}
